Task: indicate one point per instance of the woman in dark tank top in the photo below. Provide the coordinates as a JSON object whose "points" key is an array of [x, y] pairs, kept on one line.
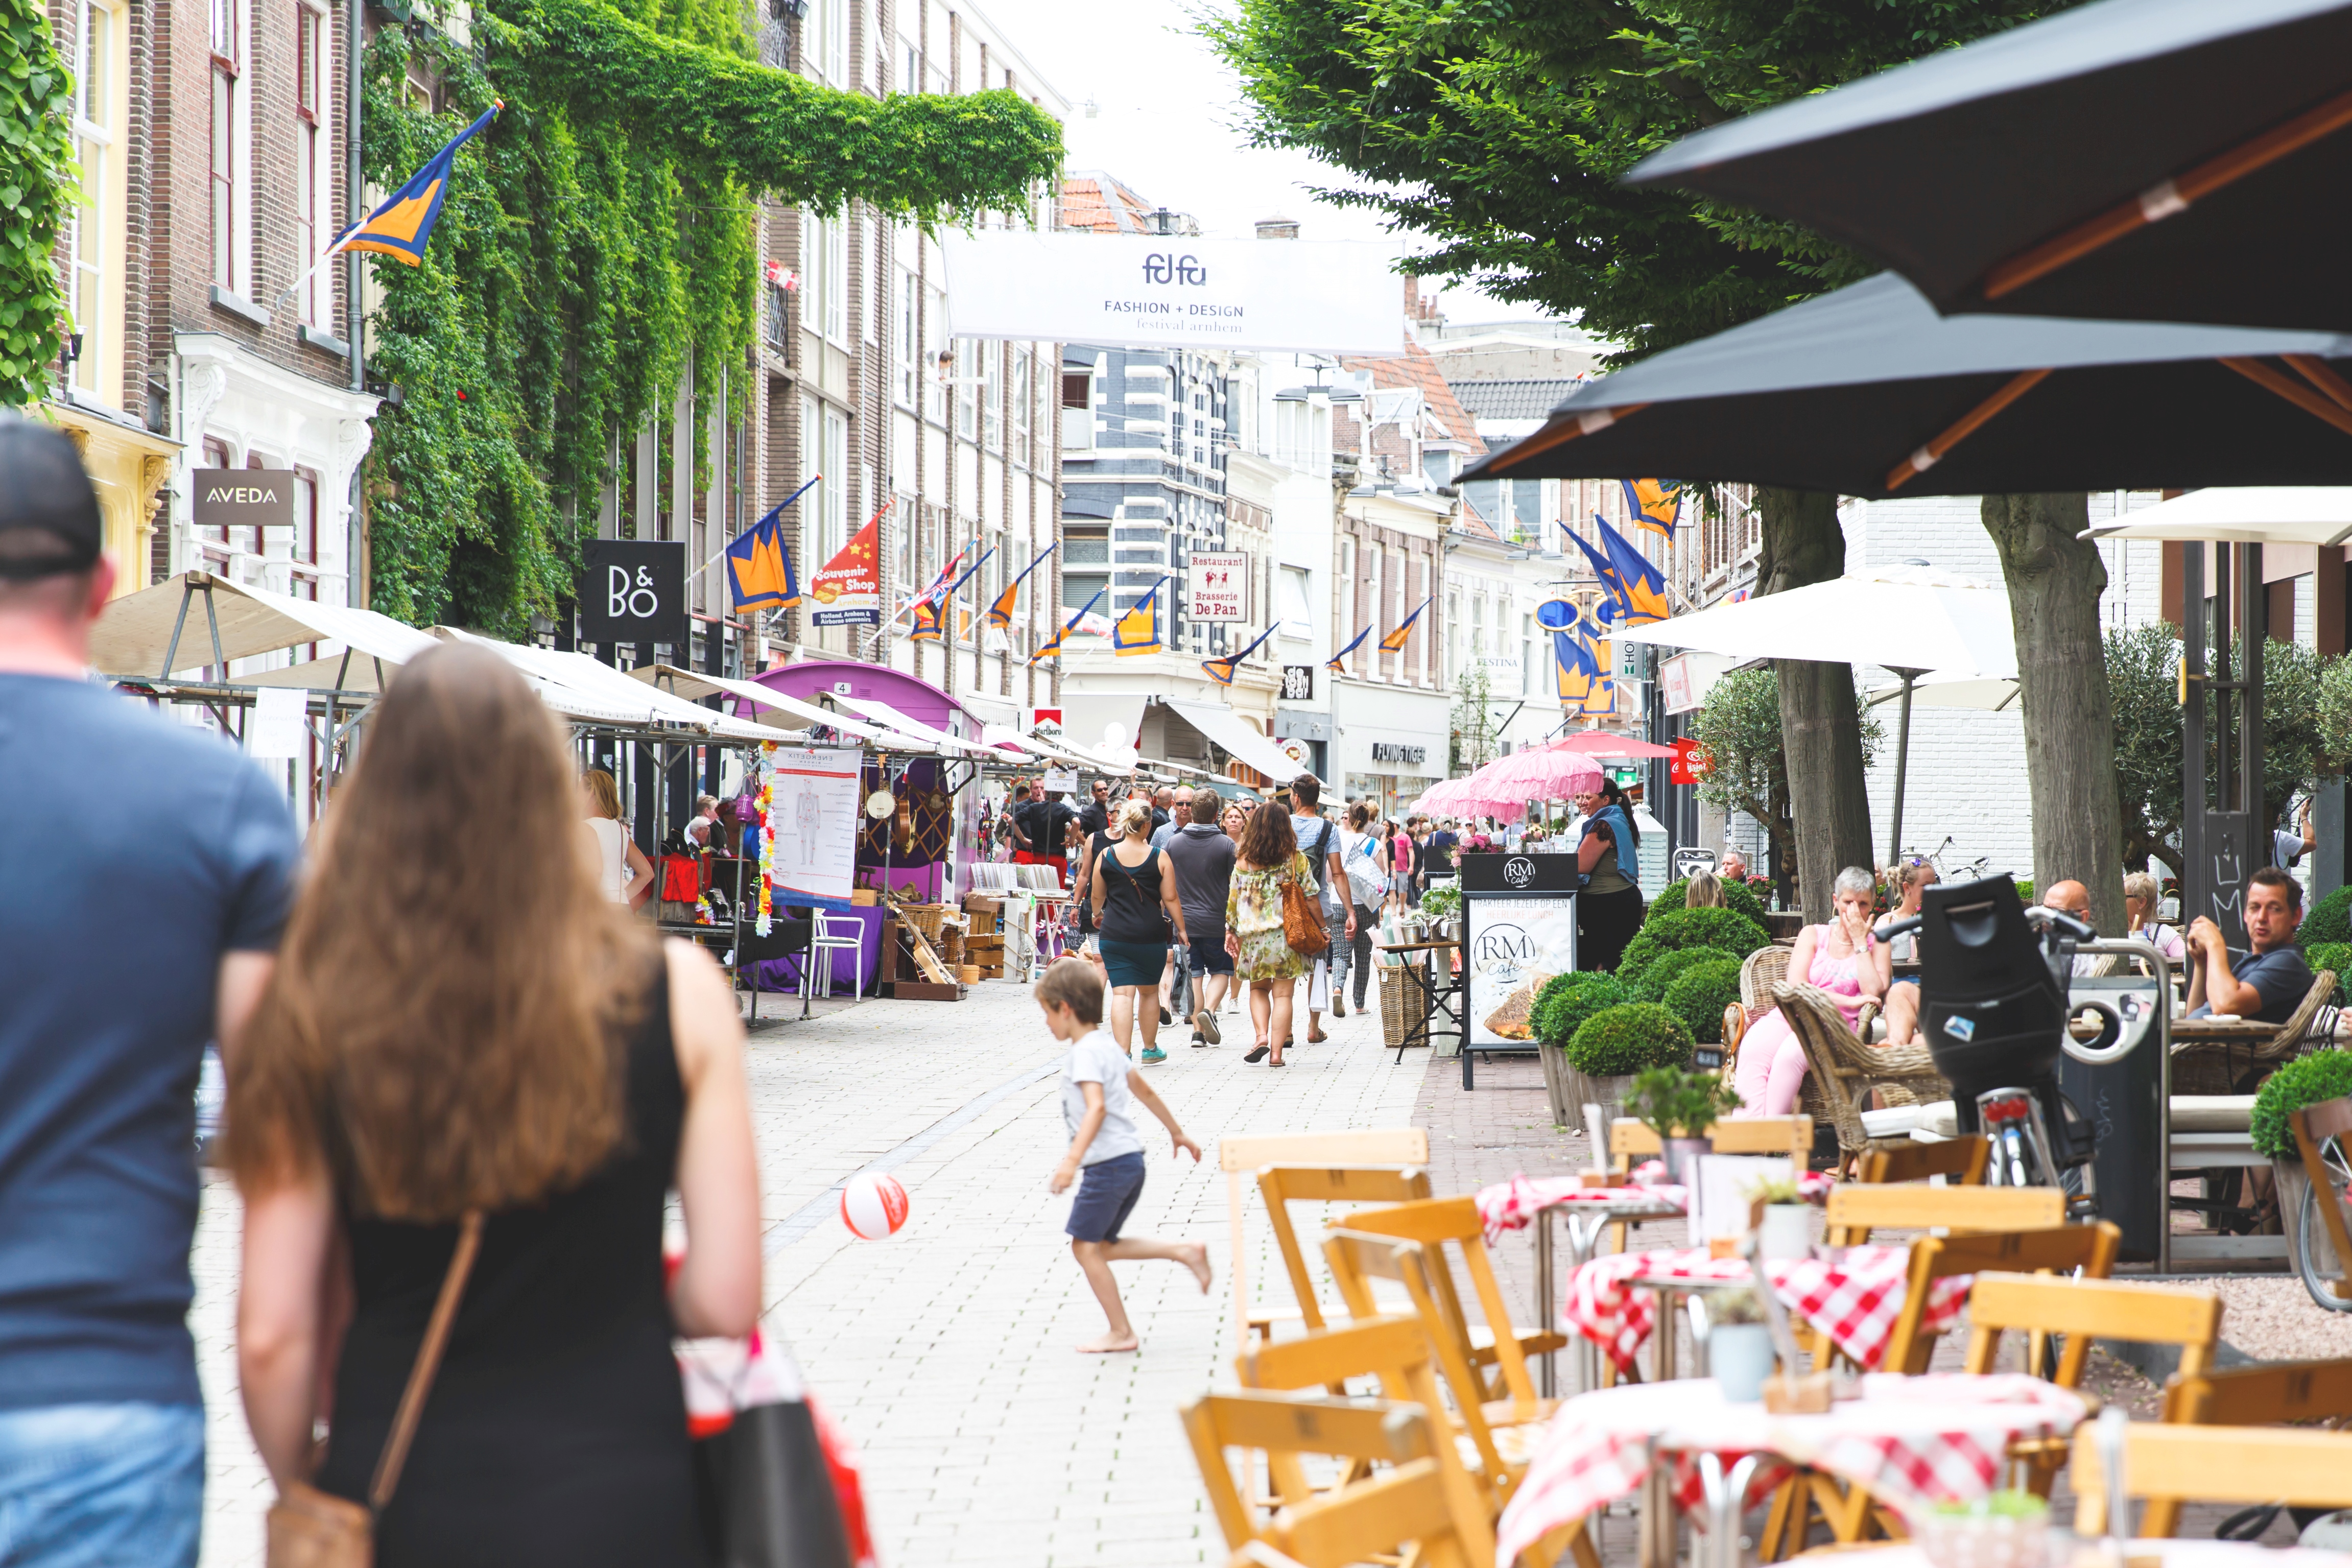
{"points": [[464, 1025]]}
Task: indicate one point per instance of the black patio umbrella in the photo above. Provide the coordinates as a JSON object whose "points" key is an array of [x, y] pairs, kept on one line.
{"points": [[2143, 160], [1868, 392]]}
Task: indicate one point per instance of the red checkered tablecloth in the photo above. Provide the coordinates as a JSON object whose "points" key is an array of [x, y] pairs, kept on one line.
{"points": [[1912, 1441], [1854, 1295], [1510, 1205]]}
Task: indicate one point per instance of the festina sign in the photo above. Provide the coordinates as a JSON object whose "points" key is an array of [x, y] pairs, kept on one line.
{"points": [[1217, 588], [1391, 751], [1308, 297], [632, 591], [244, 498]]}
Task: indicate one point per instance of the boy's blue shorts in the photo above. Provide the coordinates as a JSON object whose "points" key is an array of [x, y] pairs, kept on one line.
{"points": [[1107, 1193]]}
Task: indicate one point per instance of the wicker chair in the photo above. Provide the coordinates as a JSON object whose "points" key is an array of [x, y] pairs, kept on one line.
{"points": [[2218, 1067], [1842, 1068], [1758, 974]]}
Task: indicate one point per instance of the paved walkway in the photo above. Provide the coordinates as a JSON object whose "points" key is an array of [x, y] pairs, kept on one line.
{"points": [[946, 1350]]}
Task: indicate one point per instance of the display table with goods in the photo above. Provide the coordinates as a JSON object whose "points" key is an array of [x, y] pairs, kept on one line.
{"points": [[1913, 1442]]}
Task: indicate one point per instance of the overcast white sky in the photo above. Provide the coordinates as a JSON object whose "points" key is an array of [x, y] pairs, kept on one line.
{"points": [[1168, 122]]}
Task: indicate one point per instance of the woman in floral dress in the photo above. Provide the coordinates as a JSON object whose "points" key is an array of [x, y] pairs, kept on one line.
{"points": [[1266, 858]]}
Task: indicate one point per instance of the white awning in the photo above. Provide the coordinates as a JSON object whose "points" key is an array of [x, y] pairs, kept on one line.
{"points": [[2308, 514], [133, 634], [617, 699], [884, 714], [1244, 744]]}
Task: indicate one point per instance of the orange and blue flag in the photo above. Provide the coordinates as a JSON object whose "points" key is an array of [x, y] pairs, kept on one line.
{"points": [[999, 613], [928, 619], [1641, 587], [1656, 504], [1220, 669], [759, 568], [1336, 663], [1395, 641], [403, 220], [1582, 670], [1138, 631], [1052, 647]]}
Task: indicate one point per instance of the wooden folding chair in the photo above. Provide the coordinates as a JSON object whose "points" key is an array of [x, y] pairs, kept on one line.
{"points": [[1964, 1158], [1282, 1186], [2313, 1125], [1242, 1158], [1377, 1517], [1857, 1208], [2250, 1397], [2212, 1464], [1630, 1141], [1497, 1342], [1363, 1431], [1849, 1510], [2082, 1311], [1399, 1353]]}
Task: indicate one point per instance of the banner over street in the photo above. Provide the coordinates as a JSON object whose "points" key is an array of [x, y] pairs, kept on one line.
{"points": [[1306, 296]]}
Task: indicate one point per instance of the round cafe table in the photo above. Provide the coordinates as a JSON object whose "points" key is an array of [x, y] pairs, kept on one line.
{"points": [[1911, 1441]]}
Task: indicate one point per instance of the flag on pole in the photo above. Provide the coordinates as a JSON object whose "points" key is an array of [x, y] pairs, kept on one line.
{"points": [[1052, 647], [1656, 504], [1581, 667], [1641, 587], [1337, 662], [1138, 630], [759, 567], [1395, 641], [1220, 669], [403, 220], [927, 604], [999, 613]]}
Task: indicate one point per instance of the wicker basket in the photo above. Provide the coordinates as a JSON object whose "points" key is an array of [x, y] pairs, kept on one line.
{"points": [[951, 945], [925, 917], [1404, 1007]]}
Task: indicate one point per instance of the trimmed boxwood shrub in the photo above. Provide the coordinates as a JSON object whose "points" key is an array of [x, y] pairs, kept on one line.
{"points": [[1736, 896], [1669, 967], [1729, 930], [1627, 1038], [2323, 1075], [2334, 955], [1568, 1000], [2328, 920], [1700, 993]]}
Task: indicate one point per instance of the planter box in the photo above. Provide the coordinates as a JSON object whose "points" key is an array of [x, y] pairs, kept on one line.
{"points": [[1571, 1092]]}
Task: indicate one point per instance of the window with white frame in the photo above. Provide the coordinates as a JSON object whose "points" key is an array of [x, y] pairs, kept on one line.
{"points": [[967, 400], [906, 336], [826, 32], [1345, 632], [226, 55], [1077, 411], [1378, 617], [311, 178], [825, 276], [825, 448], [94, 93], [992, 395], [935, 337], [1528, 659], [1021, 359], [1454, 631]]}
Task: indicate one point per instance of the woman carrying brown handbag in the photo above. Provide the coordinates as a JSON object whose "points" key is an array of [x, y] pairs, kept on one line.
{"points": [[461, 1025], [1268, 871]]}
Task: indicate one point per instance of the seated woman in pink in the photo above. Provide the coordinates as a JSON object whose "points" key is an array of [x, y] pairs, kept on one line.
{"points": [[1843, 959]]}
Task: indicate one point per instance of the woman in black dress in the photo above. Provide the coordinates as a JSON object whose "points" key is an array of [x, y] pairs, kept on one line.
{"points": [[458, 1023]]}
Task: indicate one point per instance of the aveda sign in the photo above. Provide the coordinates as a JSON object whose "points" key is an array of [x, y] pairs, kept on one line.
{"points": [[243, 498]]}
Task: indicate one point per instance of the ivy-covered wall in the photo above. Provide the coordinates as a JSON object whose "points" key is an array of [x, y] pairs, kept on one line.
{"points": [[37, 182], [597, 236]]}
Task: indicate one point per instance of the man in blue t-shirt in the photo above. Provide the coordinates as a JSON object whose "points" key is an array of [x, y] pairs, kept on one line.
{"points": [[2269, 983], [121, 956]]}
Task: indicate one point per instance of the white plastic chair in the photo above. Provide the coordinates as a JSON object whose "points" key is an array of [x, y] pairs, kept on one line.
{"points": [[816, 970]]}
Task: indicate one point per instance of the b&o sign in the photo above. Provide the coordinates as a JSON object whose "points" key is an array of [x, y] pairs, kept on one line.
{"points": [[632, 591]]}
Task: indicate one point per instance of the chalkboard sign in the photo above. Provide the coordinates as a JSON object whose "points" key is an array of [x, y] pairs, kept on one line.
{"points": [[632, 591]]}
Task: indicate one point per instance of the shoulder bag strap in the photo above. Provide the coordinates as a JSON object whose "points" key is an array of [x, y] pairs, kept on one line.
{"points": [[428, 1361]]}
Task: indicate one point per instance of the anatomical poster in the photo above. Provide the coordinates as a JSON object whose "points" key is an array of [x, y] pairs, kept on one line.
{"points": [[814, 798]]}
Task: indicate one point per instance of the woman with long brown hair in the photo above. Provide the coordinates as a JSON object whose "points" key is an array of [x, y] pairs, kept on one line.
{"points": [[463, 1036], [1266, 859]]}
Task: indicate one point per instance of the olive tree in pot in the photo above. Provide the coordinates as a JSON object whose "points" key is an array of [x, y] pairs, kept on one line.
{"points": [[1681, 1107], [2324, 1074]]}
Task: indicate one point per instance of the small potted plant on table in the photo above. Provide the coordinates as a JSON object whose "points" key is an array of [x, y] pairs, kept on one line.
{"points": [[1787, 1230], [1738, 1343], [1681, 1107]]}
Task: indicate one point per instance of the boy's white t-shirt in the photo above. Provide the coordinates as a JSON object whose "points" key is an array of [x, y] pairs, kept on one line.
{"points": [[1096, 1058]]}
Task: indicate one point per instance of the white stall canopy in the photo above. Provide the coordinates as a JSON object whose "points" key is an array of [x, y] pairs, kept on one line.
{"points": [[135, 634], [1244, 745]]}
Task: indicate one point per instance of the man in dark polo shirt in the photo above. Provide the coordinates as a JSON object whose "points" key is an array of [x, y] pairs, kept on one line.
{"points": [[121, 956], [2269, 981]]}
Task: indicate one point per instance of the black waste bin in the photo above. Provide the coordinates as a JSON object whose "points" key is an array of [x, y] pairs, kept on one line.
{"points": [[2123, 1103]]}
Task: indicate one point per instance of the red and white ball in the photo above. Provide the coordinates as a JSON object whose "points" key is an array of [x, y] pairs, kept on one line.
{"points": [[873, 1206]]}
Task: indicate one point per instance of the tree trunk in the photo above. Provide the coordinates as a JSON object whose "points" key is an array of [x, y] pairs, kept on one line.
{"points": [[2055, 583], [1821, 732]]}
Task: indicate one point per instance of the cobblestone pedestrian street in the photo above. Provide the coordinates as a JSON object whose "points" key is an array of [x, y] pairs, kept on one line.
{"points": [[946, 1352]]}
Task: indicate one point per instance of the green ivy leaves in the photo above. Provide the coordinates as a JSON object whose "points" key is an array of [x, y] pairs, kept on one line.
{"points": [[35, 115]]}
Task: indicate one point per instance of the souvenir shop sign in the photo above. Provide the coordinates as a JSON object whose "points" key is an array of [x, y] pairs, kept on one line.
{"points": [[632, 591], [813, 798], [848, 590], [1518, 915]]}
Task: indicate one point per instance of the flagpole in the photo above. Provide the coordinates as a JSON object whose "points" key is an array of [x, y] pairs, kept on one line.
{"points": [[764, 516]]}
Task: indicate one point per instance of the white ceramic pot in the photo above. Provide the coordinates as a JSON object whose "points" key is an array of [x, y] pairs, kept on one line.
{"points": [[1740, 1356], [1787, 1231]]}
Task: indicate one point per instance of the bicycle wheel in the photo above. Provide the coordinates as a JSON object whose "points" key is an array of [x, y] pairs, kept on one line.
{"points": [[2311, 1231]]}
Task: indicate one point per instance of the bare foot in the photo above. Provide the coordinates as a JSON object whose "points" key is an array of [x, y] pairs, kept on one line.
{"points": [[1107, 1345], [1195, 1257]]}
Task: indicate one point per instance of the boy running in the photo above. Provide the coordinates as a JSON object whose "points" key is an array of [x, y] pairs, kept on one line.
{"points": [[1100, 1090]]}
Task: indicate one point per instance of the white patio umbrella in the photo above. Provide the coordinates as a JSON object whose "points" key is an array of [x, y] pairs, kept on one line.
{"points": [[1909, 619], [1986, 694], [2305, 514]]}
